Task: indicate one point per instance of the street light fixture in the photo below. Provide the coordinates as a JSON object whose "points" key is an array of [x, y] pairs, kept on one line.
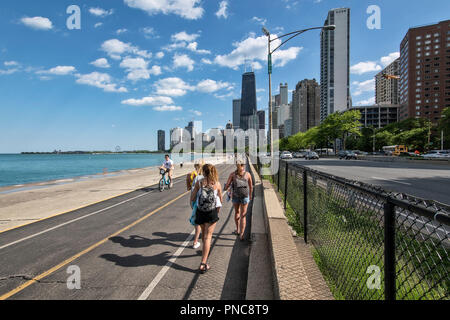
{"points": [[269, 60]]}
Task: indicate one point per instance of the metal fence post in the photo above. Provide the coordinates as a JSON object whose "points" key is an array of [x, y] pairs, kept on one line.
{"points": [[286, 185], [278, 184], [389, 251], [305, 205]]}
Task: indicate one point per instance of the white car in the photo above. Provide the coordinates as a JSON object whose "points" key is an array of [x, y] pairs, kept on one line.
{"points": [[437, 154], [286, 155]]}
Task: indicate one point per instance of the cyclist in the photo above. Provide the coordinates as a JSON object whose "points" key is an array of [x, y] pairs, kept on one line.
{"points": [[168, 166]]}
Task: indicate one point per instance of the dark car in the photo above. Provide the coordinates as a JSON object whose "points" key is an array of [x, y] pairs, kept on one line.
{"points": [[347, 155]]}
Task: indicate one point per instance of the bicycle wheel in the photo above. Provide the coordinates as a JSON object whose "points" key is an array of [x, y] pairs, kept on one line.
{"points": [[169, 183], [161, 185]]}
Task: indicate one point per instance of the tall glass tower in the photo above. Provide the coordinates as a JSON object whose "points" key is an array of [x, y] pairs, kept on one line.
{"points": [[248, 100]]}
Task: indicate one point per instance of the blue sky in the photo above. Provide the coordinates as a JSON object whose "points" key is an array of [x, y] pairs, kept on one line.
{"points": [[137, 66]]}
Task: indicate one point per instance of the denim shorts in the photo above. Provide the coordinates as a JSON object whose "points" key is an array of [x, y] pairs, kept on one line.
{"points": [[241, 201]]}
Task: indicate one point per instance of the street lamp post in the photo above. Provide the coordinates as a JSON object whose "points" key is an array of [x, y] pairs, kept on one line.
{"points": [[269, 63]]}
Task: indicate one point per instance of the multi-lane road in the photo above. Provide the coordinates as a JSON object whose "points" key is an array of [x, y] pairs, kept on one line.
{"points": [[428, 181], [135, 246]]}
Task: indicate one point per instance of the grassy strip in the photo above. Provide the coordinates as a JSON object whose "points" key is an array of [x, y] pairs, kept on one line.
{"points": [[348, 237]]}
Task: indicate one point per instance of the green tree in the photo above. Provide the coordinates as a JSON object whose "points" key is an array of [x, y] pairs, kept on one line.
{"points": [[444, 126]]}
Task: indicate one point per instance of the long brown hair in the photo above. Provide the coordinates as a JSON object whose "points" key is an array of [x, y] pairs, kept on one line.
{"points": [[210, 173]]}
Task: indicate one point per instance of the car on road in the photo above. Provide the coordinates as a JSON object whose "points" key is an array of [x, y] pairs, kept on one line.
{"points": [[360, 153], [311, 156], [298, 155], [347, 155], [437, 154], [286, 155]]}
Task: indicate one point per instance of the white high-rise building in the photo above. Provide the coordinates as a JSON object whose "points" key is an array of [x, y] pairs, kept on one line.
{"points": [[335, 64]]}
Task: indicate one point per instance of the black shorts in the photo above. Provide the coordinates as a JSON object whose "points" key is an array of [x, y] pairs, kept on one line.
{"points": [[202, 217]]}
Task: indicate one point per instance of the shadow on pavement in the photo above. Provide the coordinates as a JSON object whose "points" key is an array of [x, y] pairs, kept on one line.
{"points": [[137, 260]]}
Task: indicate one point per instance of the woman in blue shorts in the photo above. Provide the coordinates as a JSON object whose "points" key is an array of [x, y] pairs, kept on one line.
{"points": [[242, 193]]}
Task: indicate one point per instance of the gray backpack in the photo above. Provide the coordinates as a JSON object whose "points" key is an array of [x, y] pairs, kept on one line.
{"points": [[206, 199], [240, 187]]}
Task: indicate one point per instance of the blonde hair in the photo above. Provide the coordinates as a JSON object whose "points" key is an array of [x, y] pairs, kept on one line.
{"points": [[199, 166], [210, 173]]}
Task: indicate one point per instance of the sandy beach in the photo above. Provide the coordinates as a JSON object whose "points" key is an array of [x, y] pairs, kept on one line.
{"points": [[23, 204]]}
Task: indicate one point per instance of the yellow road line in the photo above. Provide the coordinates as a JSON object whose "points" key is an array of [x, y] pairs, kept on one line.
{"points": [[65, 262]]}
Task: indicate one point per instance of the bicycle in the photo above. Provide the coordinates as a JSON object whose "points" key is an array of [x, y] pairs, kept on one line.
{"points": [[165, 181]]}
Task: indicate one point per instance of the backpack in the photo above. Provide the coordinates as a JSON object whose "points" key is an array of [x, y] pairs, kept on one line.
{"points": [[240, 187], [206, 199]]}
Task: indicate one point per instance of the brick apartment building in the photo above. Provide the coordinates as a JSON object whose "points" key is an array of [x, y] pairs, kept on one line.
{"points": [[425, 72]]}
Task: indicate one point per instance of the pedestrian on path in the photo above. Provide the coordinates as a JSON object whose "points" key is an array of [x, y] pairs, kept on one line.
{"points": [[208, 192], [242, 192], [191, 180]]}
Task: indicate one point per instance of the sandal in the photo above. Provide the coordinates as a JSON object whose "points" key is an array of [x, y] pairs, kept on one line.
{"points": [[202, 271], [235, 232]]}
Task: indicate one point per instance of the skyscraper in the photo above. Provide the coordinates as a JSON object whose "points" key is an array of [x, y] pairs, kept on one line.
{"points": [[248, 99], [262, 119], [386, 89], [190, 129], [161, 140], [305, 106], [424, 72], [335, 64], [284, 94], [236, 113], [176, 136]]}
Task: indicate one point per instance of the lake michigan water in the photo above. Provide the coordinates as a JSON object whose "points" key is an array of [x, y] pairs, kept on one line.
{"points": [[18, 169]]}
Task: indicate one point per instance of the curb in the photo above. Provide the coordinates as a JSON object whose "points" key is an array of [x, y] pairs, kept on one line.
{"points": [[290, 281]]}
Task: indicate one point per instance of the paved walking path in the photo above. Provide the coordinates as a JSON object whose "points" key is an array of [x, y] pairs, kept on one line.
{"points": [[136, 246]]}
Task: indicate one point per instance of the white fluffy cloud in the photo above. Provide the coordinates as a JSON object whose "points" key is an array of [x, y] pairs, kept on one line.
{"points": [[99, 12], [183, 61], [256, 49], [101, 63], [364, 86], [160, 55], [183, 36], [193, 47], [99, 80], [385, 61], [58, 71], [173, 87], [137, 69], [149, 101], [11, 63], [116, 48], [188, 9], [222, 12], [168, 108], [364, 67], [176, 87], [260, 21], [374, 66], [38, 23], [196, 112], [210, 86]]}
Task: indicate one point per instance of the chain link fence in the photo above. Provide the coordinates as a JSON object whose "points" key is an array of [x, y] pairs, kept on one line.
{"points": [[370, 244]]}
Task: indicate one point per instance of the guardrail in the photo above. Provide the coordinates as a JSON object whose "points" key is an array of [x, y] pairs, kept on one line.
{"points": [[363, 235]]}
